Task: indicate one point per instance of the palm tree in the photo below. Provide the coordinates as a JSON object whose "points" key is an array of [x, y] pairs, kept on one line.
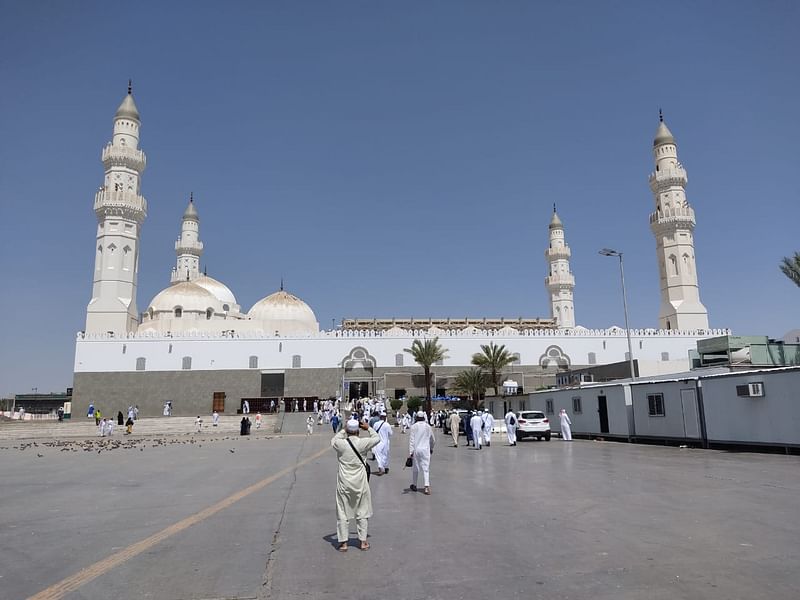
{"points": [[791, 267], [472, 382], [493, 359], [427, 354]]}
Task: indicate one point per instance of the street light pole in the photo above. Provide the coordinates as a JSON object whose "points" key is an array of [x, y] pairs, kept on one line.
{"points": [[609, 252]]}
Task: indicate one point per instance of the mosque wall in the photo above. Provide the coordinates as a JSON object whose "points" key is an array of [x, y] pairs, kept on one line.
{"points": [[191, 392], [330, 349]]}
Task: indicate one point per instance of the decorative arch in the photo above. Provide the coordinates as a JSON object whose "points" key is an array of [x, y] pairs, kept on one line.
{"points": [[554, 355], [359, 358]]}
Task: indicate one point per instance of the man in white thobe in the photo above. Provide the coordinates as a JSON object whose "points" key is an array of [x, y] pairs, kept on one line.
{"points": [[246, 407], [420, 447], [566, 425], [476, 424], [488, 424], [309, 425], [383, 429], [454, 422], [511, 427], [353, 497], [215, 419]]}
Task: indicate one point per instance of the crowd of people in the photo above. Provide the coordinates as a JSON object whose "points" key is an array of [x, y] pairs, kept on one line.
{"points": [[353, 494]]}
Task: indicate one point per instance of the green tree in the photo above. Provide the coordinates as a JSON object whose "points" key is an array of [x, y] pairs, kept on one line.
{"points": [[791, 267], [493, 359], [426, 354], [413, 404], [472, 382], [396, 404]]}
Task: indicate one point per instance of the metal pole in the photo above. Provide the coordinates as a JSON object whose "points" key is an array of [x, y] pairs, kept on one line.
{"points": [[625, 308]]}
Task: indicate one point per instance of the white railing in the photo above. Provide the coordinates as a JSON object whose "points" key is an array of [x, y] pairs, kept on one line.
{"points": [[412, 333]]}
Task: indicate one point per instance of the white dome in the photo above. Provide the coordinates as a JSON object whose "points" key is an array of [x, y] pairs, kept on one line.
{"points": [[186, 295], [284, 313], [217, 288]]}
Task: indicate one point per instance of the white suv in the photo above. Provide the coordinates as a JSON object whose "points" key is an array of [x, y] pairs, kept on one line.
{"points": [[533, 423]]}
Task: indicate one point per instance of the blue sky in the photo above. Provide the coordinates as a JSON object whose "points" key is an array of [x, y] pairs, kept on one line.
{"points": [[398, 158]]}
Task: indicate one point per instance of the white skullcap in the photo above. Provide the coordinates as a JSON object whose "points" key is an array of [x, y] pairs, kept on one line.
{"points": [[420, 415], [383, 413], [352, 426]]}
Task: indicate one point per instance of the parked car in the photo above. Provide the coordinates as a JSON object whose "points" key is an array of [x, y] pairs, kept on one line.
{"points": [[446, 428], [533, 423]]}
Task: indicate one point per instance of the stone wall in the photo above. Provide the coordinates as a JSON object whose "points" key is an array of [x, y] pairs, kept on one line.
{"points": [[191, 392]]}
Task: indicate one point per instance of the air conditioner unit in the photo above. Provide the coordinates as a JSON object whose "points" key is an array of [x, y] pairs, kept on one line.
{"points": [[751, 390]]}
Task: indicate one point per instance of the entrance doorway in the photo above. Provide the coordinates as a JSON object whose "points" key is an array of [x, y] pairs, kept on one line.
{"points": [[358, 389], [602, 411], [218, 404]]}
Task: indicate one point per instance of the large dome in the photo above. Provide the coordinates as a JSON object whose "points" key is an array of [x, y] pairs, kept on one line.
{"points": [[185, 295], [284, 313], [221, 291]]}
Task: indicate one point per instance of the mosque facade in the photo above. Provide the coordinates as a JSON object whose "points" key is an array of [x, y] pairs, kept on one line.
{"points": [[195, 346]]}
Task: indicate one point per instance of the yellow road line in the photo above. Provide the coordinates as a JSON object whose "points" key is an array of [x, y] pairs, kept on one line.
{"points": [[84, 576]]}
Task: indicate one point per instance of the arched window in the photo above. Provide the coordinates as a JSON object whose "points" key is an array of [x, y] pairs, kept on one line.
{"points": [[296, 361], [253, 362], [187, 363], [124, 348], [150, 313], [140, 363], [592, 358], [226, 307], [673, 265], [209, 313], [178, 312], [665, 356], [398, 360]]}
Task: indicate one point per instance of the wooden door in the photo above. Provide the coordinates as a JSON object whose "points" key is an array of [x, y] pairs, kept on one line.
{"points": [[219, 402]]}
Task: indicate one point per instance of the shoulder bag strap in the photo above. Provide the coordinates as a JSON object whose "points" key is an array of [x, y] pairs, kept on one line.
{"points": [[379, 426], [357, 453]]}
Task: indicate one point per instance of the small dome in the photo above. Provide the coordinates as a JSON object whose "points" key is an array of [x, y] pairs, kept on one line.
{"points": [[663, 135], [190, 214], [284, 313], [186, 295], [219, 289], [555, 222], [127, 110]]}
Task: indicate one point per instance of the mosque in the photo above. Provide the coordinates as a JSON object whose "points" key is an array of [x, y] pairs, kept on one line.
{"points": [[195, 346]]}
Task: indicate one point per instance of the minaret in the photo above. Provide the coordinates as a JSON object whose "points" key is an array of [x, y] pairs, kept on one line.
{"points": [[560, 282], [673, 225], [188, 247], [120, 210]]}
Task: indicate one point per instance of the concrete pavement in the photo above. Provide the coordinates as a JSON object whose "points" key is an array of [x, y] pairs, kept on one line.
{"points": [[551, 520]]}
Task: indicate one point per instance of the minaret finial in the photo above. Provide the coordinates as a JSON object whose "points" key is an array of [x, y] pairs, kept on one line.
{"points": [[281, 282], [130, 87], [205, 270], [660, 115], [554, 208], [191, 196]]}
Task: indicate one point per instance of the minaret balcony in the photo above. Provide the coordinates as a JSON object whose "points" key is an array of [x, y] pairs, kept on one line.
{"points": [[123, 156], [679, 215], [560, 280], [120, 203], [556, 253], [193, 248], [668, 177]]}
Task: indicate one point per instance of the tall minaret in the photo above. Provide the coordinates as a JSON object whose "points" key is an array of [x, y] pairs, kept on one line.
{"points": [[560, 282], [120, 210], [188, 247], [673, 225]]}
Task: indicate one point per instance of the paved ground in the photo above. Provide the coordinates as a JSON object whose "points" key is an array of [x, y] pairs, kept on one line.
{"points": [[580, 520]]}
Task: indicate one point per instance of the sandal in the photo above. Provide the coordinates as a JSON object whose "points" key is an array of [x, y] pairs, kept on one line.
{"points": [[364, 546], [342, 547], [427, 491], [412, 487]]}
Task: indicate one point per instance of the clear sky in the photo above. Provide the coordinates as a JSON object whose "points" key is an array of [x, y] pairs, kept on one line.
{"points": [[398, 158]]}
